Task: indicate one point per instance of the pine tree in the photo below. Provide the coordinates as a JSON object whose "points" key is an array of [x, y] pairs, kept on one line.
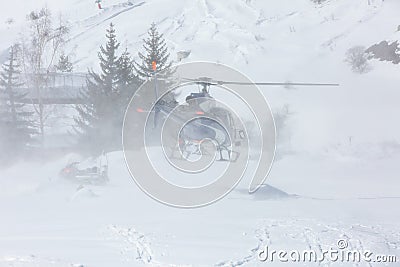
{"points": [[109, 62], [128, 81], [16, 122], [64, 65], [100, 118], [4, 126], [155, 51]]}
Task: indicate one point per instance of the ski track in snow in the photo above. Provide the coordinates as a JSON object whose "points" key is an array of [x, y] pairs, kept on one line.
{"points": [[137, 246], [33, 260], [284, 234], [263, 237], [318, 236], [332, 42], [276, 234], [210, 18], [135, 241], [113, 15]]}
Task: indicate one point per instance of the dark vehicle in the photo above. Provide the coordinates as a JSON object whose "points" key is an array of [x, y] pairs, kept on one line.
{"points": [[91, 170]]}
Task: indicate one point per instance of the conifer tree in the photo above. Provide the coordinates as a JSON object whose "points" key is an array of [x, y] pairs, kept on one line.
{"points": [[155, 51], [100, 118], [16, 123], [129, 82]]}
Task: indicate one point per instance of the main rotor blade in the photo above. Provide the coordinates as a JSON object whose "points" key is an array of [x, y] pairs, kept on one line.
{"points": [[213, 82], [201, 80], [280, 84]]}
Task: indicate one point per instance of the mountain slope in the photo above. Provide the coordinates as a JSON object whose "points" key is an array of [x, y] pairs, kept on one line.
{"points": [[288, 40]]}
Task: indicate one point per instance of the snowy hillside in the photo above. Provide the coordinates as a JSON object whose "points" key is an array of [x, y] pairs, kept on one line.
{"points": [[266, 40], [337, 167]]}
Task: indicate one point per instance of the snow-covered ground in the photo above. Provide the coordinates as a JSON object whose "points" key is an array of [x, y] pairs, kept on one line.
{"points": [[49, 221], [336, 177]]}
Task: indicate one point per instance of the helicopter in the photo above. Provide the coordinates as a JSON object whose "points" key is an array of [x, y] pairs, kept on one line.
{"points": [[203, 106]]}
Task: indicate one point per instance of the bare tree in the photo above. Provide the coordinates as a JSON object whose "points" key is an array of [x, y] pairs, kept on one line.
{"points": [[40, 48], [357, 58]]}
